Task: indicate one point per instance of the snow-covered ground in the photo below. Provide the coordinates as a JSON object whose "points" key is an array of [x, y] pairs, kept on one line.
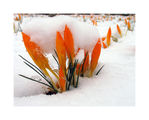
{"points": [[114, 85]]}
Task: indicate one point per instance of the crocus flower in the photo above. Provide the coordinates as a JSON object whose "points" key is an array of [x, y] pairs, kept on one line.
{"points": [[109, 37], [95, 56], [119, 30], [69, 43], [61, 51], [125, 21], [129, 25]]}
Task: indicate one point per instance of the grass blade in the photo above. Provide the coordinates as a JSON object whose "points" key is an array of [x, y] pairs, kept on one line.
{"points": [[35, 80], [34, 69], [55, 60], [83, 64], [56, 53], [99, 70], [38, 71], [78, 77], [32, 65]]}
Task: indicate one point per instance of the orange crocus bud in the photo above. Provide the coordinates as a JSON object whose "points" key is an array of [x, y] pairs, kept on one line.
{"points": [[103, 38], [111, 18], [61, 51], [83, 17], [95, 56], [109, 37], [119, 30], [69, 43], [129, 26], [19, 17], [125, 21], [35, 52], [62, 81], [95, 23]]}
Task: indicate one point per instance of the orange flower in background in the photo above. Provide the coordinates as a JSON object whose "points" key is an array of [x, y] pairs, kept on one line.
{"points": [[119, 30], [95, 56], [111, 18], [69, 43], [129, 26], [19, 16], [61, 51], [125, 21], [109, 37], [62, 81], [38, 57], [94, 22], [91, 16], [83, 17], [128, 18]]}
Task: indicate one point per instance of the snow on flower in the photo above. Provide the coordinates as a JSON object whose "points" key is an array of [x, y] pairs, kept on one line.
{"points": [[43, 32]]}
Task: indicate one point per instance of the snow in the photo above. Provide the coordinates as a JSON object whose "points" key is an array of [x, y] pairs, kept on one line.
{"points": [[43, 32], [114, 86]]}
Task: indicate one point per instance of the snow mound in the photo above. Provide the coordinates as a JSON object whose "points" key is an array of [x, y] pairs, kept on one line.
{"points": [[43, 32]]}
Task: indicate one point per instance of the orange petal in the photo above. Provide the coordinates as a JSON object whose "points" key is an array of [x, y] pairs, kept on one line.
{"points": [[86, 62], [125, 21], [109, 37], [129, 25], [61, 51], [34, 50], [19, 16], [119, 30], [77, 51], [95, 56], [103, 38], [69, 43], [104, 45], [62, 81]]}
